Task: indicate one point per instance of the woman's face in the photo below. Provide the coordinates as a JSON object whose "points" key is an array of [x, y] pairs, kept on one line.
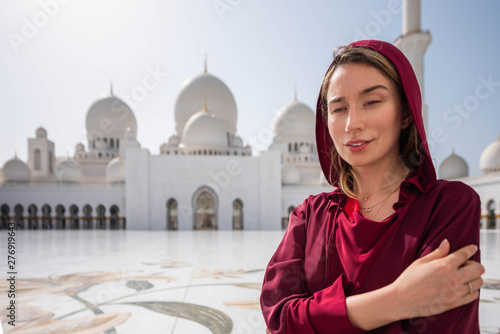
{"points": [[365, 117]]}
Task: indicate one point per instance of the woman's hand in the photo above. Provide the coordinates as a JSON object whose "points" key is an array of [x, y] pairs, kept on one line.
{"points": [[431, 285], [438, 282]]}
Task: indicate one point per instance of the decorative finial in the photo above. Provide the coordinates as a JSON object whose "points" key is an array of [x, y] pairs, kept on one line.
{"points": [[205, 70], [111, 88], [15, 154], [204, 106], [453, 151], [295, 95]]}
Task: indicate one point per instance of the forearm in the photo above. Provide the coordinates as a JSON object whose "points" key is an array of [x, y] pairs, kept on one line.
{"points": [[374, 309]]}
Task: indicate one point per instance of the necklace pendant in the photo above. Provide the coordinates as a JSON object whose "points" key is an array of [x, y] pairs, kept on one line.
{"points": [[366, 198], [368, 209]]}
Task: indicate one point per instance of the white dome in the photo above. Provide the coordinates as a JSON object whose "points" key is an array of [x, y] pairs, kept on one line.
{"points": [[295, 119], [173, 140], [237, 141], [68, 170], [16, 170], [109, 117], [289, 174], [115, 170], [200, 88], [490, 158], [203, 130], [79, 147], [164, 148], [453, 167], [41, 133]]}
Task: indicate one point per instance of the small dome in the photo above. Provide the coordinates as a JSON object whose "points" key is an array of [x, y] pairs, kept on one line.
{"points": [[164, 148], [41, 133], [237, 141], [68, 170], [289, 174], [16, 170], [295, 120], [173, 140], [109, 117], [490, 158], [205, 87], [115, 170], [204, 130], [453, 167], [80, 148]]}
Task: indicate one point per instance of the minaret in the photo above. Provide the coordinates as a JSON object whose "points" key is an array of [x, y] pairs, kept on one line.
{"points": [[414, 42]]}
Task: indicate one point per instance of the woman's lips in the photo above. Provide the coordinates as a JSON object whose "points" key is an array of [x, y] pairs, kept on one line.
{"points": [[358, 145]]}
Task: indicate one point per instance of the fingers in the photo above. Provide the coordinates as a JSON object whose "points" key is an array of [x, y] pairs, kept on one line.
{"points": [[440, 252], [470, 271], [459, 257]]}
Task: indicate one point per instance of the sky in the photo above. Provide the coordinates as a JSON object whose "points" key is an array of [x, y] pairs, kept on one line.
{"points": [[57, 57]]}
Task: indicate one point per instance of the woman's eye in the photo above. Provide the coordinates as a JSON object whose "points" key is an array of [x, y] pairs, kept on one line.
{"points": [[372, 102], [336, 110]]}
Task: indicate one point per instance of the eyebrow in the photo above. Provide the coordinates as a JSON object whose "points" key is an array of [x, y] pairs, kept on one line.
{"points": [[364, 91]]}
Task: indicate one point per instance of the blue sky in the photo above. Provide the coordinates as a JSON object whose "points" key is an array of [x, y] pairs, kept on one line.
{"points": [[260, 49]]}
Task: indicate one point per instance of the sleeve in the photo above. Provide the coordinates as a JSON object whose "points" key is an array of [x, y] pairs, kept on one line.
{"points": [[286, 304], [456, 218]]}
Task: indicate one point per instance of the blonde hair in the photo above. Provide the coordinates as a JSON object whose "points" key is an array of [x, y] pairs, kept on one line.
{"points": [[408, 140]]}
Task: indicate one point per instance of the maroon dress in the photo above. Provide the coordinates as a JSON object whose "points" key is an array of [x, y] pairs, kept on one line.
{"points": [[327, 255]]}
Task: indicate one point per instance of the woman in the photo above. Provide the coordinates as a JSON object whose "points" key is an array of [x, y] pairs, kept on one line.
{"points": [[388, 251]]}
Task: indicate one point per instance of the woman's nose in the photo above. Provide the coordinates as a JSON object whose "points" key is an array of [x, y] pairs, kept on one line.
{"points": [[354, 121]]}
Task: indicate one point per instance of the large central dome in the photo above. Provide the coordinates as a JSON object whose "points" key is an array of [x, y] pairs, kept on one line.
{"points": [[205, 87], [109, 117]]}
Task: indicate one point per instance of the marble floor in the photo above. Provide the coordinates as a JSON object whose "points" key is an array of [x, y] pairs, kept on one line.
{"points": [[160, 282]]}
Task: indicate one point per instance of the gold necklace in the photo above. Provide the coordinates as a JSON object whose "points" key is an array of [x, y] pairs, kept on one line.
{"points": [[370, 207], [373, 218], [366, 197]]}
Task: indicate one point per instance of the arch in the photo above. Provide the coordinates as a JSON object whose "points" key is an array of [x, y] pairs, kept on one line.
{"points": [[114, 219], [4, 216], [99, 155], [46, 218], [111, 143], [117, 143], [74, 221], [204, 152], [87, 217], [19, 216], [38, 159], [289, 147], [491, 216], [295, 146], [172, 217], [60, 219], [101, 217], [237, 214], [205, 204], [32, 217]]}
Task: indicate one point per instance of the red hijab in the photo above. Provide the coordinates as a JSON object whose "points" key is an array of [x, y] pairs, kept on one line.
{"points": [[423, 176]]}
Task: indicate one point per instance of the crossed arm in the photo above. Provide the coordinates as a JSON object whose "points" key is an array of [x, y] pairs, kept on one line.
{"points": [[431, 285]]}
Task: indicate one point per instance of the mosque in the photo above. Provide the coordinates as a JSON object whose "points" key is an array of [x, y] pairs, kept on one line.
{"points": [[204, 177]]}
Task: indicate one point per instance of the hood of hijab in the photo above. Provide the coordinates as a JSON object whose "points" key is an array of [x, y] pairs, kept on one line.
{"points": [[423, 175]]}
